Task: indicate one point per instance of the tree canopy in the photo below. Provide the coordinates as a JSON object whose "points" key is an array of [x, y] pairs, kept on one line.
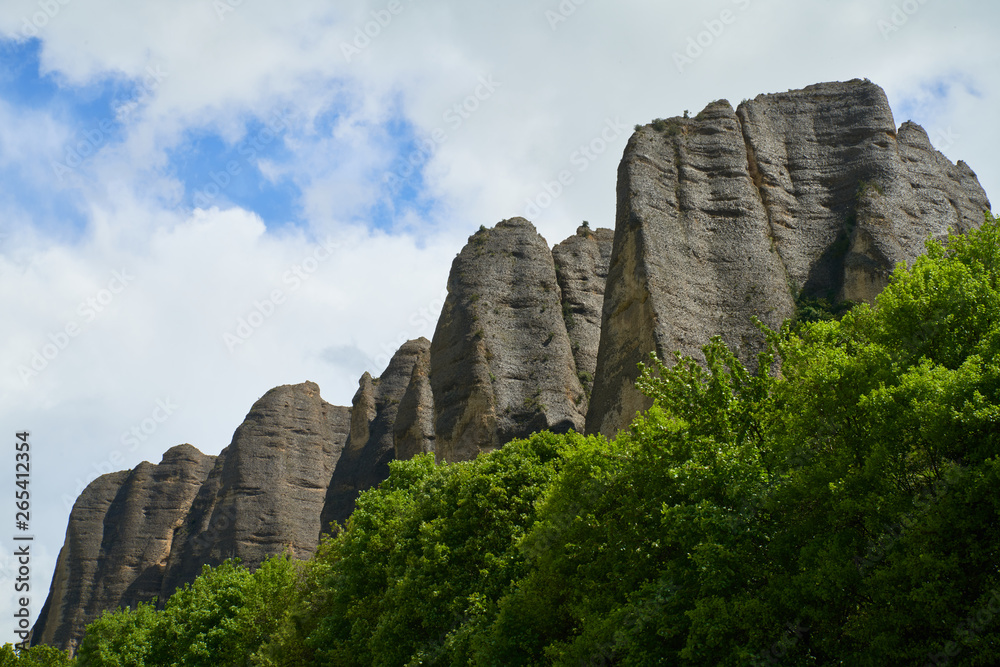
{"points": [[837, 505]]}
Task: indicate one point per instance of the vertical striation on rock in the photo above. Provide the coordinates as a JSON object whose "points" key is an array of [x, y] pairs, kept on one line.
{"points": [[118, 541], [692, 256], [371, 445], [265, 493], [502, 365], [413, 432], [139, 526], [582, 270], [848, 196], [721, 218], [730, 215], [62, 618]]}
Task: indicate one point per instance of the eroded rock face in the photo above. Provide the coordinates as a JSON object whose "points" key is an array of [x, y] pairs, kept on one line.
{"points": [[266, 491], [119, 538], [736, 214], [140, 525], [502, 364], [414, 428], [582, 270], [137, 535], [365, 460], [196, 533], [731, 215], [847, 195]]}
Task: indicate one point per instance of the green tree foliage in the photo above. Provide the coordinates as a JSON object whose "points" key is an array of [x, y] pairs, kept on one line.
{"points": [[838, 505], [36, 656], [120, 638], [884, 529], [842, 512], [220, 619], [638, 537], [424, 559]]}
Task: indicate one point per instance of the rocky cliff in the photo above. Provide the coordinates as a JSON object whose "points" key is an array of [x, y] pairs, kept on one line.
{"points": [[727, 216], [502, 365], [372, 441], [736, 214], [136, 535], [120, 535], [582, 270], [266, 490], [298, 463]]}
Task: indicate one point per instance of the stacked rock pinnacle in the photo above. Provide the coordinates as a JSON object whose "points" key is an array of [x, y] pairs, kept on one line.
{"points": [[722, 218]]}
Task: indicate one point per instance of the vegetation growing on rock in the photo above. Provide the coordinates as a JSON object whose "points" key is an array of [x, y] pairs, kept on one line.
{"points": [[842, 511]]}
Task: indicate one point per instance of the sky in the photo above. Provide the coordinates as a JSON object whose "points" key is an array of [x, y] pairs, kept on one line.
{"points": [[204, 199]]}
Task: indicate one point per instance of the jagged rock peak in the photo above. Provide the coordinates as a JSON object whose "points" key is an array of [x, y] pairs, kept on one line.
{"points": [[365, 461], [265, 492], [501, 361], [413, 432], [729, 215], [582, 270], [181, 453], [118, 540], [363, 412]]}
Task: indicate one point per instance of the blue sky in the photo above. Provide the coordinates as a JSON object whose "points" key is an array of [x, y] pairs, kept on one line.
{"points": [[215, 172], [211, 169], [226, 149]]}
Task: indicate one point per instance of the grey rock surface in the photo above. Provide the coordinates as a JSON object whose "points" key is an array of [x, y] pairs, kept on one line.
{"points": [[265, 494], [847, 195], [371, 445], [582, 270], [118, 541], [735, 214], [141, 523], [502, 364], [414, 429]]}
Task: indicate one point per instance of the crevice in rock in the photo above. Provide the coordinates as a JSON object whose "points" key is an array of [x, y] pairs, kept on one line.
{"points": [[757, 178]]}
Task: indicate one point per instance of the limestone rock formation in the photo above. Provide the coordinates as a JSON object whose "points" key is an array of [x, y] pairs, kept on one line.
{"points": [[120, 534], [847, 195], [371, 445], [414, 428], [729, 215], [137, 535], [582, 269], [502, 364], [266, 491]]}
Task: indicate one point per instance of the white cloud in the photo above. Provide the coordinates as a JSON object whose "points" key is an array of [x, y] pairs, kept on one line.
{"points": [[196, 274]]}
